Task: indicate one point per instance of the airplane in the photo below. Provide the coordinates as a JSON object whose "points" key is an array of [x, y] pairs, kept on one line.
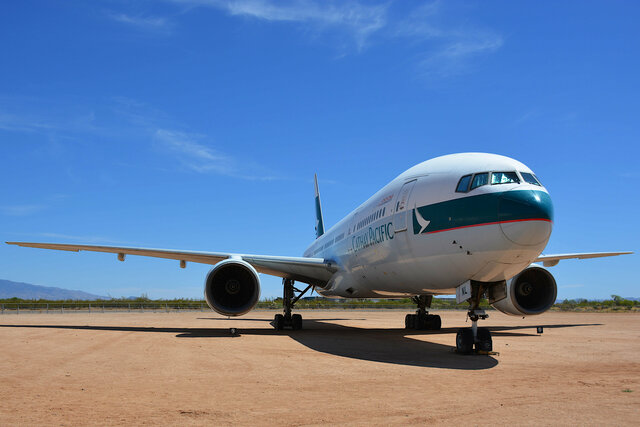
{"points": [[469, 224]]}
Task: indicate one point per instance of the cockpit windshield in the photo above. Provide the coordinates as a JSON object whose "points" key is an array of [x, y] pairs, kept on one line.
{"points": [[504, 178], [530, 178], [480, 179]]}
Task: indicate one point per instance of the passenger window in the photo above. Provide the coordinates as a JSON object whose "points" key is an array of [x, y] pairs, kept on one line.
{"points": [[504, 178], [529, 178], [480, 179], [463, 184]]}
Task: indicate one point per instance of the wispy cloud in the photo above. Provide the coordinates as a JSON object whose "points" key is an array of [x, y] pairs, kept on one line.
{"points": [[128, 119], [193, 155], [20, 210], [359, 20], [447, 40], [201, 158], [21, 123], [144, 23], [449, 47]]}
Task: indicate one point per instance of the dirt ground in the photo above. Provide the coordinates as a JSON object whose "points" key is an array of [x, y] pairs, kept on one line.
{"points": [[346, 367]]}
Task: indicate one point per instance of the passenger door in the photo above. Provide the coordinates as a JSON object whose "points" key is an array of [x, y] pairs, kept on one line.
{"points": [[402, 201]]}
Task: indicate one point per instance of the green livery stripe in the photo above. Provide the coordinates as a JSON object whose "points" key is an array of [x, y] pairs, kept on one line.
{"points": [[491, 208]]}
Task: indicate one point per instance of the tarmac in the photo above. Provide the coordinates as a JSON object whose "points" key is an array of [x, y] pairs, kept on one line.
{"points": [[344, 368]]}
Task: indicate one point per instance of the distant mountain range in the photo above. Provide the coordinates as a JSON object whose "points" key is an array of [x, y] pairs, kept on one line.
{"points": [[9, 289]]}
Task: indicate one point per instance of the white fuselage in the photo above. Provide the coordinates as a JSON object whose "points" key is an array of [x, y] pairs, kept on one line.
{"points": [[418, 235]]}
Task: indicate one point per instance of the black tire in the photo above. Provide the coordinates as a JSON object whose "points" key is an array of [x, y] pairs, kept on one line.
{"points": [[422, 321], [296, 322], [410, 321], [278, 322], [485, 343], [464, 341], [435, 322]]}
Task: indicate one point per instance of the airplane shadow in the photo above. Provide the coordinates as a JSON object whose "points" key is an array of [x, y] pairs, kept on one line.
{"points": [[396, 346]]}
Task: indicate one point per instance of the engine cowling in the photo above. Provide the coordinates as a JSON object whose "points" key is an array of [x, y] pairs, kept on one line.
{"points": [[232, 287], [532, 291]]}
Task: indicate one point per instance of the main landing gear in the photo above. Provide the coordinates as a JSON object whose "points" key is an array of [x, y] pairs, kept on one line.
{"points": [[422, 319], [467, 338], [289, 298]]}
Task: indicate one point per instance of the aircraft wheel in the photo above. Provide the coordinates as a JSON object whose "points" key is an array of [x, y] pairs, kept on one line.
{"points": [[410, 321], [435, 322], [464, 341], [484, 340], [296, 322], [278, 322], [422, 322]]}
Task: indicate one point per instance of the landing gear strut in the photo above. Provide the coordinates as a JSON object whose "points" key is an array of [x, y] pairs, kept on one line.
{"points": [[289, 298], [422, 319], [467, 338]]}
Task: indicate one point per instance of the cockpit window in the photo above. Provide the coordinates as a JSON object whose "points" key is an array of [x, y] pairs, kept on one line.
{"points": [[504, 178], [529, 178], [463, 184], [480, 179]]}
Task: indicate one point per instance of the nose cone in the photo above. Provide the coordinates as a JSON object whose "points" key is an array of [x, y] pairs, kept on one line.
{"points": [[526, 216]]}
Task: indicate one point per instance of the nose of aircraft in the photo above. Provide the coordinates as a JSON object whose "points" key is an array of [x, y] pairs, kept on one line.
{"points": [[526, 216]]}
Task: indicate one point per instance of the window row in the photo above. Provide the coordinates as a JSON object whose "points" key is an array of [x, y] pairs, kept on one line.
{"points": [[372, 217]]}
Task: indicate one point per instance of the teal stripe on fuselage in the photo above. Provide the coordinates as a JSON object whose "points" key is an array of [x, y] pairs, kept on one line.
{"points": [[487, 208]]}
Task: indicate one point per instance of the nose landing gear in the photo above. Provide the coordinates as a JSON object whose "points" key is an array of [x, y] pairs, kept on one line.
{"points": [[422, 319], [480, 338]]}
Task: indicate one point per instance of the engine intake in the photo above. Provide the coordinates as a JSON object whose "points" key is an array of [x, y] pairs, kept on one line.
{"points": [[533, 291], [232, 287]]}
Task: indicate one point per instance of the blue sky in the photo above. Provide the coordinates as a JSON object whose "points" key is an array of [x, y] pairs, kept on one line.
{"points": [[195, 124]]}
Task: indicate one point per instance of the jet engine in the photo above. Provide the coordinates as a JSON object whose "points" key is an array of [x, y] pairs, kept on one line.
{"points": [[532, 291], [232, 287]]}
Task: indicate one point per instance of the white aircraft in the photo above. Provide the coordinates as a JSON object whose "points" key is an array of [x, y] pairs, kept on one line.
{"points": [[469, 224]]}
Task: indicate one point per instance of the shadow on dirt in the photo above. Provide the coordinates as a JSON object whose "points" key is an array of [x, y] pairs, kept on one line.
{"points": [[397, 346]]}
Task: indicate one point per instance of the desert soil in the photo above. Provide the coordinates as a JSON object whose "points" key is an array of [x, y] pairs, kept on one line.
{"points": [[346, 368]]}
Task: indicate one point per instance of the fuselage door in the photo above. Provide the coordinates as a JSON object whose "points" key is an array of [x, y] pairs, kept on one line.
{"points": [[402, 202]]}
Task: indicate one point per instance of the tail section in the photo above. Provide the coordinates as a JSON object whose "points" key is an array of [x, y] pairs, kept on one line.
{"points": [[319, 220]]}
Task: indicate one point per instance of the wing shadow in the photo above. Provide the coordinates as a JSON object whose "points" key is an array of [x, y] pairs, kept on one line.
{"points": [[396, 346]]}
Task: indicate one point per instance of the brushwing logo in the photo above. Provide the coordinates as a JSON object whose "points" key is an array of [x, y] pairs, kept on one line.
{"points": [[423, 223]]}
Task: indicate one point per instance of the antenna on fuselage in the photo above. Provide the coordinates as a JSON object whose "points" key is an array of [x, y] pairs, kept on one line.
{"points": [[319, 220]]}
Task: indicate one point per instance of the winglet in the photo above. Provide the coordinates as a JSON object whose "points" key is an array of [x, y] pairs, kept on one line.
{"points": [[319, 220]]}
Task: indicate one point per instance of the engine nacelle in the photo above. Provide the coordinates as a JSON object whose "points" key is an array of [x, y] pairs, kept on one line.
{"points": [[532, 291], [232, 287]]}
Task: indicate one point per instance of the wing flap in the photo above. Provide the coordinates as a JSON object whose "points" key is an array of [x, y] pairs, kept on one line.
{"points": [[309, 270]]}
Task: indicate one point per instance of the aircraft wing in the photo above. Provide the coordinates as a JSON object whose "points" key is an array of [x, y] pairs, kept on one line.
{"points": [[551, 260], [308, 270]]}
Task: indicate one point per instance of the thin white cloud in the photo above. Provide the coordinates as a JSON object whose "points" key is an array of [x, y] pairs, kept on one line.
{"points": [[20, 210], [454, 57], [193, 155], [449, 47], [201, 158], [357, 19], [19, 123], [449, 42], [146, 23]]}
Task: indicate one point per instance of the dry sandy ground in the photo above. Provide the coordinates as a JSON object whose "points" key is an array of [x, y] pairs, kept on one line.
{"points": [[356, 368]]}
